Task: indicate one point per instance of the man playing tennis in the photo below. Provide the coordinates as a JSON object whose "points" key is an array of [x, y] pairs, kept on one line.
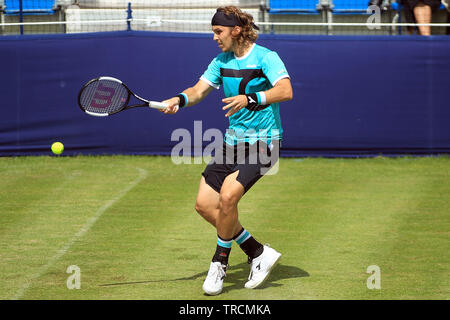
{"points": [[255, 80]]}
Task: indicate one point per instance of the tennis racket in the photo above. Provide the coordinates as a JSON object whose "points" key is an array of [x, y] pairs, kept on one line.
{"points": [[105, 96]]}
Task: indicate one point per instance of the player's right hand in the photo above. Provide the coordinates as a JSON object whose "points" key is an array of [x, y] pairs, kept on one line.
{"points": [[172, 105]]}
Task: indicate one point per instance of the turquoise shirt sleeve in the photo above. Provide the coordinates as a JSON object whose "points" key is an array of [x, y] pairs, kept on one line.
{"points": [[212, 74], [274, 68]]}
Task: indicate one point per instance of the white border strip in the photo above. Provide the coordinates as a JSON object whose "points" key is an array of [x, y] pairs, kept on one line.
{"points": [[318, 24], [312, 24]]}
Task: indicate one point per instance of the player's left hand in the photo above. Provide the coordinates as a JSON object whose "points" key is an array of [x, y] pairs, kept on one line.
{"points": [[235, 104]]}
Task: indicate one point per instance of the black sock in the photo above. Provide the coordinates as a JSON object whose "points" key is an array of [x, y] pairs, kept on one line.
{"points": [[248, 244], [223, 250]]}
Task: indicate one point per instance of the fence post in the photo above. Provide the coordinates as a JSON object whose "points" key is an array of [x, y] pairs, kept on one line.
{"points": [[129, 17], [326, 7], [21, 15]]}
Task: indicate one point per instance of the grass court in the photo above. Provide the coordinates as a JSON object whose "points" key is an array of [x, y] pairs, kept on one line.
{"points": [[128, 223]]}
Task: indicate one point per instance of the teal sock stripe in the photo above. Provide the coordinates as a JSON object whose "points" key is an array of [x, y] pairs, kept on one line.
{"points": [[244, 236], [223, 243]]}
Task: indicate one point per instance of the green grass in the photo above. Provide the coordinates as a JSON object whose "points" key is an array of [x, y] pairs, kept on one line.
{"points": [[330, 218]]}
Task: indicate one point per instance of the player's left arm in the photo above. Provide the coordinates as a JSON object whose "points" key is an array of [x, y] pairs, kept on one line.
{"points": [[282, 91]]}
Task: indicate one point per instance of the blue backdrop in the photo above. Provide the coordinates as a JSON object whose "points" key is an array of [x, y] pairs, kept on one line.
{"points": [[353, 96]]}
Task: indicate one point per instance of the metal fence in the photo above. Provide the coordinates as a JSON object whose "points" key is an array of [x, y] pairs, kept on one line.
{"points": [[331, 17]]}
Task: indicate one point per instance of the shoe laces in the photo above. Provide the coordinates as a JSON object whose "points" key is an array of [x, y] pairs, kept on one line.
{"points": [[219, 272]]}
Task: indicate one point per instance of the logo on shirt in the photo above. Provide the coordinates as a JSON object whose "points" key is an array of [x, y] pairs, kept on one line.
{"points": [[251, 66]]}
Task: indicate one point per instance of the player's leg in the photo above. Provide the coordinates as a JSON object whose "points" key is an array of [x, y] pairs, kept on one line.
{"points": [[226, 221], [207, 204], [224, 215], [422, 12], [227, 218], [219, 209], [263, 258]]}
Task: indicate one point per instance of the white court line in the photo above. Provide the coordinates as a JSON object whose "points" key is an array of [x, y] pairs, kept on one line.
{"points": [[142, 175]]}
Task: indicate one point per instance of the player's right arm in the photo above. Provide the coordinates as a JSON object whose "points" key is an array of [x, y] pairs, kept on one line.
{"points": [[194, 95]]}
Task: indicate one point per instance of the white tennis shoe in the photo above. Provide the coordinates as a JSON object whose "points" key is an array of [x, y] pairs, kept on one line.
{"points": [[214, 280], [262, 266]]}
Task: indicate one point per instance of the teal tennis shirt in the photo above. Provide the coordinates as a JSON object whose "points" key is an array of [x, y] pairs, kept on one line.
{"points": [[259, 70]]}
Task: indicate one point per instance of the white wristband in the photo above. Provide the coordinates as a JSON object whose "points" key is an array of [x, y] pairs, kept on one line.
{"points": [[262, 98]]}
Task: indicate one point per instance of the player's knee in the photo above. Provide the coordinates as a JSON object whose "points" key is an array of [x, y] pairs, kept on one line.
{"points": [[228, 200], [200, 207], [206, 212], [203, 208]]}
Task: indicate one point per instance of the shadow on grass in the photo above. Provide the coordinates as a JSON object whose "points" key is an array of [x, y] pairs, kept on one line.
{"points": [[236, 275]]}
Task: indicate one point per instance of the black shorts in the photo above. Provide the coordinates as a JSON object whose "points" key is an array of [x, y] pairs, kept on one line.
{"points": [[252, 161]]}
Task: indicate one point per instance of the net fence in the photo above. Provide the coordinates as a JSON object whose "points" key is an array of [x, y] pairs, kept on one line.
{"points": [[329, 17]]}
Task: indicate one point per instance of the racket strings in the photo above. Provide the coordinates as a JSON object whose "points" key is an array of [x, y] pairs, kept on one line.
{"points": [[104, 97]]}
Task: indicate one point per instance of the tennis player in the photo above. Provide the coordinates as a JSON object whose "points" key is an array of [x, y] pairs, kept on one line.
{"points": [[255, 80]]}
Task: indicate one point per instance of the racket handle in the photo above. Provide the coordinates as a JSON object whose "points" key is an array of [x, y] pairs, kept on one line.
{"points": [[157, 105]]}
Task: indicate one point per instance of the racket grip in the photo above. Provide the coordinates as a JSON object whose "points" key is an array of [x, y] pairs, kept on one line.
{"points": [[157, 105]]}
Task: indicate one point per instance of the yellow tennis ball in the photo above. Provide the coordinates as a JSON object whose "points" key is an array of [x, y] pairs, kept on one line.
{"points": [[57, 147]]}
